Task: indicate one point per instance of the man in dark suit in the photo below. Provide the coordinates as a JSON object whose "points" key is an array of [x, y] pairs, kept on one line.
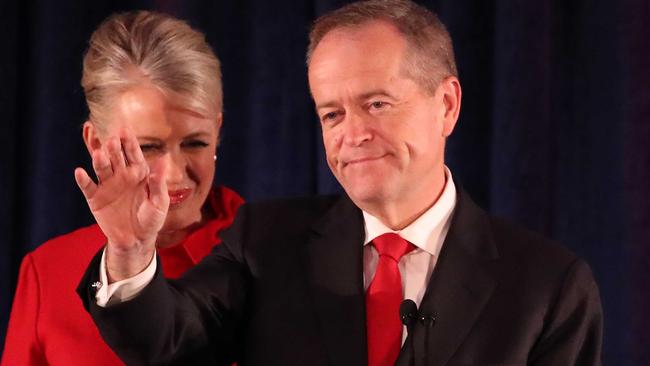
{"points": [[319, 281]]}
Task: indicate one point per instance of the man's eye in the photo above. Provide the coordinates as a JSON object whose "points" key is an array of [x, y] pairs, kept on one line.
{"points": [[378, 105], [329, 116]]}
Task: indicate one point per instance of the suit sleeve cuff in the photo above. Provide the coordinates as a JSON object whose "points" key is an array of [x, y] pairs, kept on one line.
{"points": [[124, 290]]}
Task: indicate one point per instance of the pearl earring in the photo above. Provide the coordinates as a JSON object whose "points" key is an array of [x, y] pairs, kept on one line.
{"points": [[215, 157]]}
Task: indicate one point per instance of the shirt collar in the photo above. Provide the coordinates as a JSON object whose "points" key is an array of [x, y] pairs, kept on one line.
{"points": [[223, 202], [427, 232]]}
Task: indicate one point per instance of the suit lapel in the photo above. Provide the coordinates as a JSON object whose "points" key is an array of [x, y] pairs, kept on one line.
{"points": [[334, 256], [459, 288], [460, 285]]}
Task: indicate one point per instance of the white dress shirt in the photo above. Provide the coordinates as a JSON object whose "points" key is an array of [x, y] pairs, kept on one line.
{"points": [[427, 233], [124, 290]]}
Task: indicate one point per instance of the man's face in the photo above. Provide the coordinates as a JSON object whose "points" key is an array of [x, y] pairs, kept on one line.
{"points": [[384, 135]]}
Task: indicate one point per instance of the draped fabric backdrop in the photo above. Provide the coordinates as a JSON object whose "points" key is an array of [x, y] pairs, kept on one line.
{"points": [[553, 132]]}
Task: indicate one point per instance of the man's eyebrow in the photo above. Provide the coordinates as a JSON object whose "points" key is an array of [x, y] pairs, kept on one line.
{"points": [[363, 96], [376, 93], [329, 104]]}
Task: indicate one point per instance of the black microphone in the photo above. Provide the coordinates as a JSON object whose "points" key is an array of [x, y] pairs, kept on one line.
{"points": [[408, 312]]}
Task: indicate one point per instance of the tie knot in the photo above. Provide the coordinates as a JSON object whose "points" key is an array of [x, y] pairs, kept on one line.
{"points": [[392, 245]]}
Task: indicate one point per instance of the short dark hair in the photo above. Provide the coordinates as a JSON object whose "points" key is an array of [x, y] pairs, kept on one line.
{"points": [[430, 54]]}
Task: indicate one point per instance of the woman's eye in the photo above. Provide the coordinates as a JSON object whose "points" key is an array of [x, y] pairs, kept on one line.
{"points": [[149, 148], [195, 144]]}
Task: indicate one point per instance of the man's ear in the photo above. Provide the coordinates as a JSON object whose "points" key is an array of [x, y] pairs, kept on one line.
{"points": [[451, 97], [91, 137]]}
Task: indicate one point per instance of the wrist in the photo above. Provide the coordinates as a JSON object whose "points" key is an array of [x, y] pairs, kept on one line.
{"points": [[126, 263]]}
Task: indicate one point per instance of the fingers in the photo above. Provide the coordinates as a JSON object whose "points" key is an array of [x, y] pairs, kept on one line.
{"points": [[134, 157], [87, 186], [101, 165], [115, 153], [120, 156], [158, 194], [132, 149]]}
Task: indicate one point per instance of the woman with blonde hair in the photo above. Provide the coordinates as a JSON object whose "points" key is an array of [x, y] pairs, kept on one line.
{"points": [[153, 89]]}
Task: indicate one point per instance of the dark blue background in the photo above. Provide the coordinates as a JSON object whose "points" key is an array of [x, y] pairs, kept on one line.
{"points": [[553, 132]]}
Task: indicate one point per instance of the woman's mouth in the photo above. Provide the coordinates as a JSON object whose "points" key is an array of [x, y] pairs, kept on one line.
{"points": [[178, 196]]}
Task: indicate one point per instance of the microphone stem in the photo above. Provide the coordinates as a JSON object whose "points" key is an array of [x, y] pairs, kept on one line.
{"points": [[426, 346], [409, 337], [428, 321]]}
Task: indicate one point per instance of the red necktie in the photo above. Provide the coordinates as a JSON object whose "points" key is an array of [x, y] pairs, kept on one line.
{"points": [[383, 299]]}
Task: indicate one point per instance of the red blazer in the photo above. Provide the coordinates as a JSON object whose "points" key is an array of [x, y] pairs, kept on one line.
{"points": [[48, 324]]}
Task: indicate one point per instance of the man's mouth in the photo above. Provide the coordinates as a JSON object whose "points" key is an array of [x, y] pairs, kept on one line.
{"points": [[363, 159]]}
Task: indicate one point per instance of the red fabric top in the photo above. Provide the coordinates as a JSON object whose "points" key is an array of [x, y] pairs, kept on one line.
{"points": [[48, 324]]}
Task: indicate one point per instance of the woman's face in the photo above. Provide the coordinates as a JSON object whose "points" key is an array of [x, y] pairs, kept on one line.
{"points": [[184, 141]]}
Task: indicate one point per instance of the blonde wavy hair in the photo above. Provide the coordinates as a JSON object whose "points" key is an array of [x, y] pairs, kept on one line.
{"points": [[137, 47]]}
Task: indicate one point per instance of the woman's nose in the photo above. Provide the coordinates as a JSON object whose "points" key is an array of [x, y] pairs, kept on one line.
{"points": [[175, 168]]}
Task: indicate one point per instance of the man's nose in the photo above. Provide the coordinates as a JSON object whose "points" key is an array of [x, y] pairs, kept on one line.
{"points": [[357, 129]]}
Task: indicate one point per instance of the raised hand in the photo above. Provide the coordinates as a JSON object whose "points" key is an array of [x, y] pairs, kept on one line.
{"points": [[129, 202]]}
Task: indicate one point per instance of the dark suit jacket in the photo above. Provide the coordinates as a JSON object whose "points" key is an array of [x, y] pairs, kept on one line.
{"points": [[286, 288]]}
